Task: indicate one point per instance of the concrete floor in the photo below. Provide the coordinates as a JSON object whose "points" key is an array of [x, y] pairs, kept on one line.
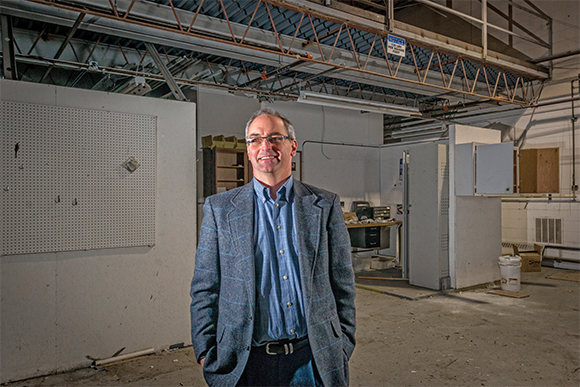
{"points": [[469, 338]]}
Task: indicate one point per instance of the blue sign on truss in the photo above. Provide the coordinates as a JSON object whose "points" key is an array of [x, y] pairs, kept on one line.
{"points": [[396, 45]]}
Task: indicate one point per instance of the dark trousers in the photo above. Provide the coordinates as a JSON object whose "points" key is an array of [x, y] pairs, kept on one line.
{"points": [[295, 369]]}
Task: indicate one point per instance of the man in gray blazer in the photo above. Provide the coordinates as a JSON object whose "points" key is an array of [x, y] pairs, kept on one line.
{"points": [[273, 288]]}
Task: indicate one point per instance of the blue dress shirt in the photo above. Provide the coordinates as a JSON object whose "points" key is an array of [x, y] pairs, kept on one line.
{"points": [[280, 310]]}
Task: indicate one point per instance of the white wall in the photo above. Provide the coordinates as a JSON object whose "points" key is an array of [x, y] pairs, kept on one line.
{"points": [[549, 126], [219, 112], [351, 172], [57, 308]]}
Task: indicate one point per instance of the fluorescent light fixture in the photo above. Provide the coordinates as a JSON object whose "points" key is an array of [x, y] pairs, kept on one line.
{"points": [[424, 130], [357, 104]]}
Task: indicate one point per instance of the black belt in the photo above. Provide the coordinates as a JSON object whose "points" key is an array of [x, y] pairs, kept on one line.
{"points": [[283, 347]]}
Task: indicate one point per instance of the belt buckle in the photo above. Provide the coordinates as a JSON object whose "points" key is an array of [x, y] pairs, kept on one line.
{"points": [[268, 348], [288, 348]]}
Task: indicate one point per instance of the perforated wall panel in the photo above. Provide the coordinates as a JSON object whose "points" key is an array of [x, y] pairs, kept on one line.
{"points": [[66, 182]]}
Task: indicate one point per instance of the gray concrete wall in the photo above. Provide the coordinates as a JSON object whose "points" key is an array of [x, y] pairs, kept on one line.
{"points": [[58, 308], [352, 172]]}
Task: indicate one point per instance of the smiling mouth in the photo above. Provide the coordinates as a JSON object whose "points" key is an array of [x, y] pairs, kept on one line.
{"points": [[267, 157]]}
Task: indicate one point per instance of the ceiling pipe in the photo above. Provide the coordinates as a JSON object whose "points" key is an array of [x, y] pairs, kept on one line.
{"points": [[556, 56], [273, 72], [460, 116], [310, 77], [574, 187]]}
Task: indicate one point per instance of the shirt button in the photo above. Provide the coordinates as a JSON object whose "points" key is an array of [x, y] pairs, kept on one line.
{"points": [[278, 227], [289, 303], [276, 204], [292, 331], [285, 278], [281, 251]]}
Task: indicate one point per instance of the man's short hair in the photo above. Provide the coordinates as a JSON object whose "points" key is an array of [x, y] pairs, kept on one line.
{"points": [[271, 112]]}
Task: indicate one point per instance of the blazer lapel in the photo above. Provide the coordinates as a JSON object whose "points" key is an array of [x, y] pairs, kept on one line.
{"points": [[307, 219], [241, 223]]}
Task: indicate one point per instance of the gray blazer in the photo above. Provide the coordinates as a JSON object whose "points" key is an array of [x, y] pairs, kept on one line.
{"points": [[223, 285]]}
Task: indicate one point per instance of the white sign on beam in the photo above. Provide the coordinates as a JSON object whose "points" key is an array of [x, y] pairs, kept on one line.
{"points": [[396, 45]]}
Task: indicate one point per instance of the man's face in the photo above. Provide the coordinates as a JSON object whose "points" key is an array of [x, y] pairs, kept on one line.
{"points": [[271, 162]]}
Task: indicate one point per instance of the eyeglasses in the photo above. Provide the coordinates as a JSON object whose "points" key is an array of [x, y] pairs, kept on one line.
{"points": [[273, 139]]}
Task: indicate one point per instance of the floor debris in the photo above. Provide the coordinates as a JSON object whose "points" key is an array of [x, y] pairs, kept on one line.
{"points": [[567, 275], [507, 293]]}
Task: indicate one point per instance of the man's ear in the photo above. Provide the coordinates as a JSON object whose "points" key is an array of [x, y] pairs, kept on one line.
{"points": [[294, 148]]}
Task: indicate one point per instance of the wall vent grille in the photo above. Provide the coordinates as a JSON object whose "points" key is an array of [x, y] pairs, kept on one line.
{"points": [[444, 210], [549, 230], [521, 246], [444, 170], [444, 242]]}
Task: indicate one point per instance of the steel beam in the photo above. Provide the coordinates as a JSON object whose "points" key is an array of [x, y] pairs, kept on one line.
{"points": [[264, 46], [175, 90], [9, 66], [65, 43], [248, 52], [425, 38]]}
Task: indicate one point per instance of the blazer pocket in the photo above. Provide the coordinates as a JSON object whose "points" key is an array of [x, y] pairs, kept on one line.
{"points": [[220, 333], [336, 327]]}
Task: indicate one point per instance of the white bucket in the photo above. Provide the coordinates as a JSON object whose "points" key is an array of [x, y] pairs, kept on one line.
{"points": [[509, 267]]}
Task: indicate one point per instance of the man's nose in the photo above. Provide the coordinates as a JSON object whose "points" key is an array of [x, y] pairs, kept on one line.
{"points": [[265, 144]]}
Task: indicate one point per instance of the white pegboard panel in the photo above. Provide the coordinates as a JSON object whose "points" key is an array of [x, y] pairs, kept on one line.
{"points": [[65, 183]]}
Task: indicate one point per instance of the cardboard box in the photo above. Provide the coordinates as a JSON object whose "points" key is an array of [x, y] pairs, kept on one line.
{"points": [[350, 216], [207, 142], [222, 142], [230, 142], [531, 260]]}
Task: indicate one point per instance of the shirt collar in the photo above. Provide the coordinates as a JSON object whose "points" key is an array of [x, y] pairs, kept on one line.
{"points": [[263, 192]]}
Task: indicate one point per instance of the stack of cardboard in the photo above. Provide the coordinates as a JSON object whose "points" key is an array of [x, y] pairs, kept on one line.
{"points": [[222, 142]]}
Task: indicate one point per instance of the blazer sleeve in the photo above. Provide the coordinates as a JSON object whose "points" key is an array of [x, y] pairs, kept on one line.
{"points": [[342, 275], [205, 286]]}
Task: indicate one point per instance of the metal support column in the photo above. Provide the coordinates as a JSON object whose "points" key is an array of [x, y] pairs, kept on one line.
{"points": [[484, 28], [405, 242], [8, 56], [574, 119], [390, 14]]}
